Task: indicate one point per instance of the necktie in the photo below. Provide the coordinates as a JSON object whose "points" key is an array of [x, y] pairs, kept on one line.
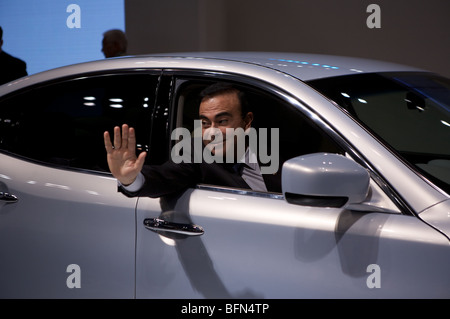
{"points": [[238, 167]]}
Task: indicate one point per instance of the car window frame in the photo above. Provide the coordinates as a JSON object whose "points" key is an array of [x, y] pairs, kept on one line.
{"points": [[66, 79], [307, 111]]}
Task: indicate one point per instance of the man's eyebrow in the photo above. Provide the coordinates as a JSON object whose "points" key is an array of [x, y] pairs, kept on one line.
{"points": [[216, 116]]}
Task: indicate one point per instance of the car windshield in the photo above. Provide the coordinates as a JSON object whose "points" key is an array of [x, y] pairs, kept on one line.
{"points": [[409, 111]]}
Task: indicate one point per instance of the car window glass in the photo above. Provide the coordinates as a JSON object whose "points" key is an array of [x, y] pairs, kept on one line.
{"points": [[296, 134], [62, 124], [408, 111]]}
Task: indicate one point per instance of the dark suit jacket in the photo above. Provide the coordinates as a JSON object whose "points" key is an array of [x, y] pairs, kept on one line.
{"points": [[170, 178], [11, 68]]}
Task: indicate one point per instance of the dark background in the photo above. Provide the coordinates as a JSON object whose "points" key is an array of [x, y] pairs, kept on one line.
{"points": [[413, 32]]}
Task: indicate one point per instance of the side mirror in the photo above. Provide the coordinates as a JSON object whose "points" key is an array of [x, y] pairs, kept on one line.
{"points": [[324, 180]]}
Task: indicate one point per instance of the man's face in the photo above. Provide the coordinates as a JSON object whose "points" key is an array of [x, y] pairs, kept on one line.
{"points": [[218, 113]]}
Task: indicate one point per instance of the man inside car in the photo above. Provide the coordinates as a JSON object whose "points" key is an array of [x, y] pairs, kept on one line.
{"points": [[222, 106]]}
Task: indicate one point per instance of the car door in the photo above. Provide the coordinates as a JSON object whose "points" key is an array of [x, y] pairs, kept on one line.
{"points": [[65, 231], [217, 242]]}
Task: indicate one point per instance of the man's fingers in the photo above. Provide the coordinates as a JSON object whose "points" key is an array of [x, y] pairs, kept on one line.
{"points": [[124, 139], [107, 140], [131, 140], [125, 131], [140, 160], [117, 137]]}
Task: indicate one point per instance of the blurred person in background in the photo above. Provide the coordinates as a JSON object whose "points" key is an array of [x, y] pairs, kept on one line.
{"points": [[114, 43], [11, 68]]}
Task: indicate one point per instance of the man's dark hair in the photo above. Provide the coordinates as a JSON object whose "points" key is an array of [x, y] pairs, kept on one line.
{"points": [[220, 88], [1, 34]]}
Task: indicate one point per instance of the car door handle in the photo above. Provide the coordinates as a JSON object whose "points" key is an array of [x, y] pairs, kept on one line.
{"points": [[7, 197], [157, 225]]}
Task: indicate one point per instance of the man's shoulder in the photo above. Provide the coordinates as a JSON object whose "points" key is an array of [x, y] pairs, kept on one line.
{"points": [[6, 57]]}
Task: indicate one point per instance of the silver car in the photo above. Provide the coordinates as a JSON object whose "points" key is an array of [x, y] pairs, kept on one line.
{"points": [[364, 210]]}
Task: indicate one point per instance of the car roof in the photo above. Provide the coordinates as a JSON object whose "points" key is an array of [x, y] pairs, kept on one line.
{"points": [[304, 66]]}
